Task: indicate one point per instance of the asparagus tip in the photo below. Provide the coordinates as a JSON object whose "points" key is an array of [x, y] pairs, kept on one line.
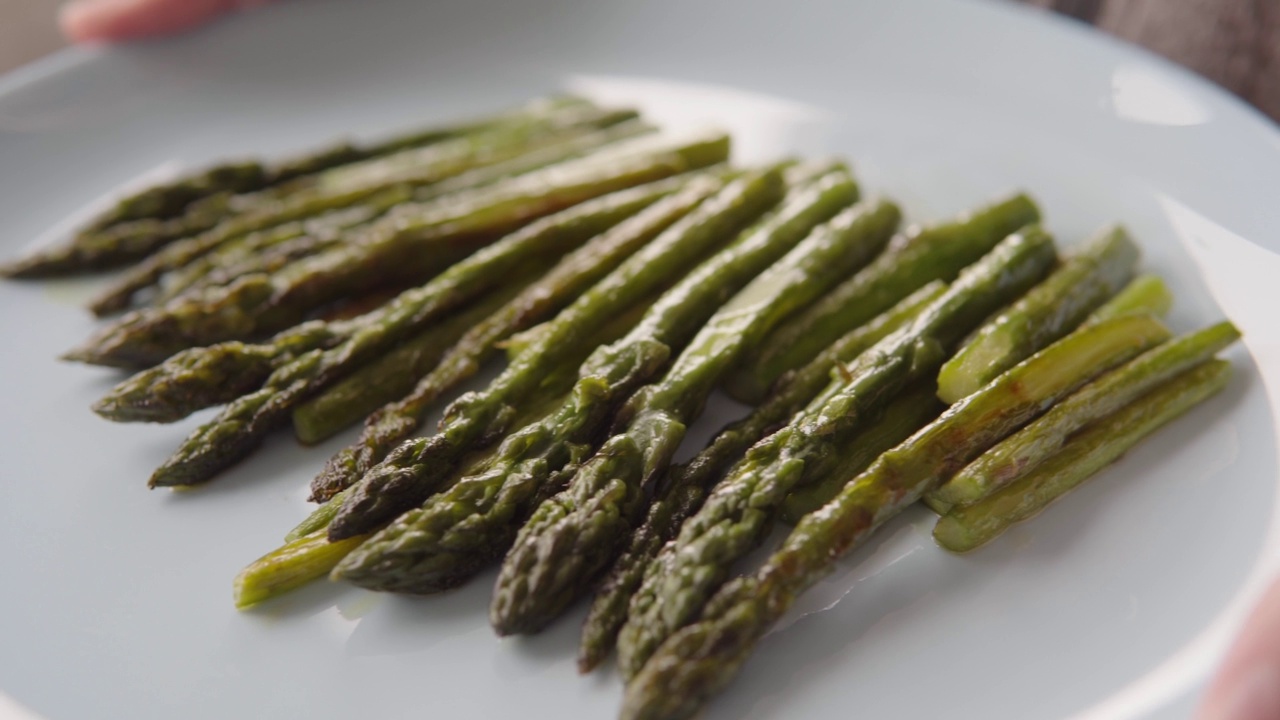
{"points": [[106, 408], [587, 663], [15, 269], [90, 355]]}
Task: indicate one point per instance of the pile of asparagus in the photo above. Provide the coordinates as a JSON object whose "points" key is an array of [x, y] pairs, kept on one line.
{"points": [[628, 274]]}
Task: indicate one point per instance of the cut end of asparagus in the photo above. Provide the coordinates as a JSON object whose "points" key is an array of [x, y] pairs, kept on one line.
{"points": [[1093, 449], [955, 537], [1144, 294], [288, 568], [959, 380]]}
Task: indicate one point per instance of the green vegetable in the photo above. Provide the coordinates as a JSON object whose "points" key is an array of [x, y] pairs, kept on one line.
{"points": [[573, 536], [471, 524], [394, 375], [1095, 447], [1145, 294], [259, 250], [905, 415], [434, 163], [289, 567], [413, 472], [308, 555], [242, 425], [738, 513], [141, 223], [696, 662], [576, 272], [1052, 309], [936, 252], [1021, 453], [204, 377], [685, 487], [115, 238], [270, 250], [200, 377]]}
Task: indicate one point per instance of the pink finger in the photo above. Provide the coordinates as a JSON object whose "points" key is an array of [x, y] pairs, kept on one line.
{"points": [[92, 20], [1247, 686]]}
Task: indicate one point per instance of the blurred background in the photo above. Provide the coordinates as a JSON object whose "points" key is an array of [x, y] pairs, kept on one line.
{"points": [[28, 29], [1235, 43]]}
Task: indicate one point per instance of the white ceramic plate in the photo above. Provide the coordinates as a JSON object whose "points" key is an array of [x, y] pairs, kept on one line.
{"points": [[1113, 604]]}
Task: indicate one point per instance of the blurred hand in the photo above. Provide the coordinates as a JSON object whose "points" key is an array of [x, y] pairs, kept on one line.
{"points": [[1247, 686], [99, 20]]}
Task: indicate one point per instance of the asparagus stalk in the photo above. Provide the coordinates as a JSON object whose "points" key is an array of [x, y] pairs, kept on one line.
{"points": [[685, 487], [576, 272], [738, 513], [414, 471], [459, 531], [574, 535], [921, 254], [446, 160], [1053, 309], [1098, 445], [699, 660], [109, 241], [1019, 454], [532, 412], [1145, 294], [139, 224], [236, 258], [902, 418], [536, 410], [308, 555], [240, 428], [204, 377], [269, 251], [289, 567], [199, 377], [395, 374]]}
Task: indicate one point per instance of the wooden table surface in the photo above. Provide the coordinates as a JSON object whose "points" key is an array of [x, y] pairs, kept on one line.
{"points": [[1236, 43]]}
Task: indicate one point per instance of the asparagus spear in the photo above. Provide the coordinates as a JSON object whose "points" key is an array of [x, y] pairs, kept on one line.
{"points": [[202, 374], [1053, 309], [447, 159], [1145, 294], [696, 662], [142, 222], [204, 377], [905, 415], [105, 244], [1019, 454], [269, 251], [236, 258], [459, 531], [148, 336], [308, 555], [572, 536], [921, 254], [738, 513], [307, 165], [575, 273], [241, 426], [1098, 445], [398, 421], [394, 375], [289, 568], [413, 472], [685, 487]]}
